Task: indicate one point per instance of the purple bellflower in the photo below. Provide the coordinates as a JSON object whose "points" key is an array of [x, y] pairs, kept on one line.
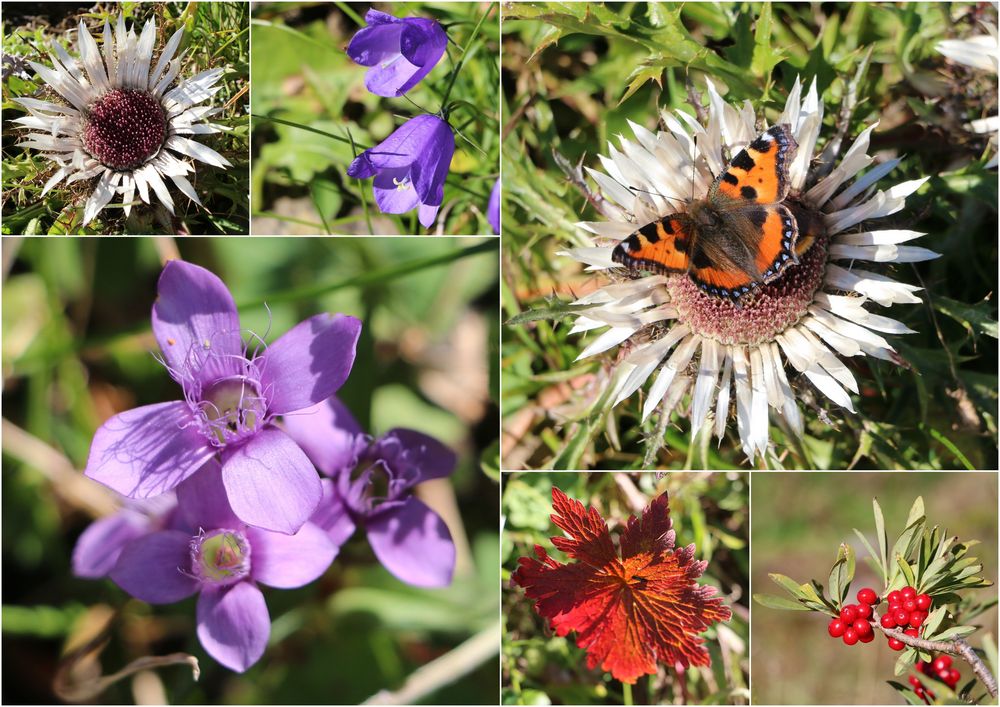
{"points": [[401, 52], [410, 167], [222, 559], [99, 546], [232, 393], [493, 207], [369, 486]]}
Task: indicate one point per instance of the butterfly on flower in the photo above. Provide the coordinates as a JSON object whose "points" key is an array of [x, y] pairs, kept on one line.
{"points": [[741, 235]]}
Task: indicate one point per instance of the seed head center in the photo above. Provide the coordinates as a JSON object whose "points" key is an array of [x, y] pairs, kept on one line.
{"points": [[124, 129]]}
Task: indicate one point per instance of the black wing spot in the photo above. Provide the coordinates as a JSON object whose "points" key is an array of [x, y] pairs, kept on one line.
{"points": [[744, 161], [748, 192], [681, 244], [700, 260], [757, 217], [762, 145], [729, 177], [632, 243], [649, 231]]}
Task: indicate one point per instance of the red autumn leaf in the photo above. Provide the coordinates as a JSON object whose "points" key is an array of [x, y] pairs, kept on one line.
{"points": [[631, 611]]}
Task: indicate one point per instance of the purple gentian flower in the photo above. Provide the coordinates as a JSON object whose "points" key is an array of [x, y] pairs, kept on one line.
{"points": [[409, 167], [370, 486], [493, 207], [98, 547], [400, 51], [232, 394], [222, 559]]}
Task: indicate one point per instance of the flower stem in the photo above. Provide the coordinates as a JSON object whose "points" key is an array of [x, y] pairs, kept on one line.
{"points": [[626, 694], [461, 60]]}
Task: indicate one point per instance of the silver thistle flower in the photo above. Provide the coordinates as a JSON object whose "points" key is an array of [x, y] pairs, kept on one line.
{"points": [[716, 351], [122, 122]]}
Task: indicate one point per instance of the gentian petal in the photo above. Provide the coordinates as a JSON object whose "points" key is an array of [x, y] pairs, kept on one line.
{"points": [[493, 207], [404, 146], [431, 459], [427, 214], [332, 515], [203, 500], [329, 435], [195, 322], [289, 561], [394, 192], [270, 482], [414, 544], [310, 362], [152, 568], [147, 451], [233, 624], [99, 546]]}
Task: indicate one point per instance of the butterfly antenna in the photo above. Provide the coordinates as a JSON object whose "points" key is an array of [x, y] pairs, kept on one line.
{"points": [[632, 189], [693, 158]]}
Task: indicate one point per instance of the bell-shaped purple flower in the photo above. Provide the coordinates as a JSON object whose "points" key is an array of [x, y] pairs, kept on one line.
{"points": [[410, 167], [232, 393], [370, 487], [221, 558], [400, 51], [493, 208]]}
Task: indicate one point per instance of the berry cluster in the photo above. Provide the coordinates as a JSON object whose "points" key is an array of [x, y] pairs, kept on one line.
{"points": [[854, 623], [938, 669], [907, 610]]}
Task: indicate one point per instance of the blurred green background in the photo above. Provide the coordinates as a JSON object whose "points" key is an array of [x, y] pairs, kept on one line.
{"points": [[77, 347], [216, 35], [708, 509], [574, 74], [302, 75], [799, 521]]}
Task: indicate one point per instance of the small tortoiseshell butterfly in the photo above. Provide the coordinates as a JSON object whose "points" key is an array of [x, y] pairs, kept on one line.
{"points": [[740, 237]]}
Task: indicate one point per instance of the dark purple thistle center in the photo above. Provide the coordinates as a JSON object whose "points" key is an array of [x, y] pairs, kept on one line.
{"points": [[124, 129]]}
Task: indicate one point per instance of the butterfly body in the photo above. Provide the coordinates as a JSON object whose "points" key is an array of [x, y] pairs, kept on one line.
{"points": [[739, 237]]}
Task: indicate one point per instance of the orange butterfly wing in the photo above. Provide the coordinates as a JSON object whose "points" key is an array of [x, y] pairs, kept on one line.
{"points": [[759, 173], [661, 246]]}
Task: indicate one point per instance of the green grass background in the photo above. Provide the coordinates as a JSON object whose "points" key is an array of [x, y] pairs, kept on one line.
{"points": [[573, 74], [216, 35], [77, 347], [798, 522]]}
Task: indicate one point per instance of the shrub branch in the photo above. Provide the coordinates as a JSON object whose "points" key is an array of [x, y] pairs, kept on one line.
{"points": [[958, 648]]}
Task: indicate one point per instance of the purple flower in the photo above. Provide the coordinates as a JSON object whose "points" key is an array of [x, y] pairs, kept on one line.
{"points": [[409, 167], [222, 559], [493, 207], [98, 547], [232, 394], [400, 51], [369, 486]]}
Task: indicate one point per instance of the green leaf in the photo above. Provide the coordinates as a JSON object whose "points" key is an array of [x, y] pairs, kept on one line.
{"points": [[788, 584], [773, 602], [555, 312], [874, 555], [976, 318], [955, 632], [907, 658], [570, 455], [909, 695], [906, 569], [883, 539], [934, 620], [765, 57]]}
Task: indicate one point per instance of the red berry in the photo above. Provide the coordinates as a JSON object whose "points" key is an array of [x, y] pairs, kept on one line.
{"points": [[849, 613], [920, 691], [909, 593], [917, 618], [887, 621], [942, 663], [850, 636], [902, 618], [896, 644], [895, 606], [862, 627], [864, 611], [915, 681], [922, 666], [895, 597], [868, 596], [924, 601], [836, 628], [912, 632], [868, 637], [910, 605], [953, 677]]}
